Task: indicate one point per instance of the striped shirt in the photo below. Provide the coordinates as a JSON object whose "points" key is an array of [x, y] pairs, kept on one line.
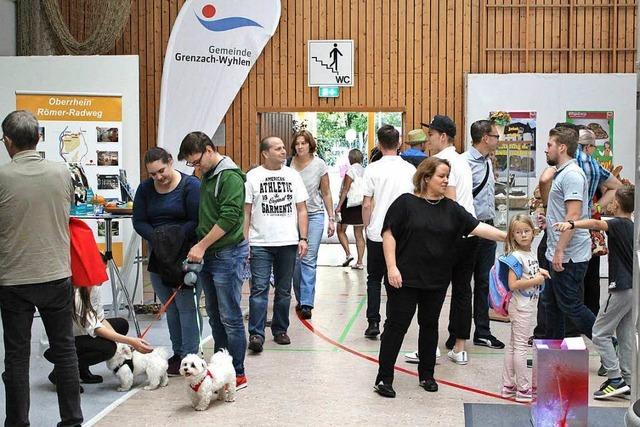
{"points": [[596, 174]]}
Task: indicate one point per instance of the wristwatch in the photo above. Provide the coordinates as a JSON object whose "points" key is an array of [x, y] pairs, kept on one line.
{"points": [[573, 224], [304, 239]]}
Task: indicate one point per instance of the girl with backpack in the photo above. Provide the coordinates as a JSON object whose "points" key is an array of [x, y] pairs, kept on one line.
{"points": [[525, 278]]}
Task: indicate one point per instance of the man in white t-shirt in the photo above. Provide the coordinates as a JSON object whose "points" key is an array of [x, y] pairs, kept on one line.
{"points": [[442, 131], [384, 181], [276, 225]]}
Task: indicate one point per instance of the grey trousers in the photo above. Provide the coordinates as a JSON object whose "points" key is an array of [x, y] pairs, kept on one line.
{"points": [[615, 317]]}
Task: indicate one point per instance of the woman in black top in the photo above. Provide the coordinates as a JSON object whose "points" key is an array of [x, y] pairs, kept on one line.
{"points": [[418, 239]]}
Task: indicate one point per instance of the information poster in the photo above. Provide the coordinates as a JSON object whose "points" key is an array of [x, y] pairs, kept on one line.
{"points": [[601, 123], [517, 146], [84, 129]]}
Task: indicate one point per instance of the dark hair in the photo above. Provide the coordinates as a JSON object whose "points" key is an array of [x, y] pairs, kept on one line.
{"points": [[87, 308], [21, 127], [625, 197], [307, 137], [194, 143], [355, 156], [388, 137], [157, 153], [567, 136], [426, 169], [479, 129]]}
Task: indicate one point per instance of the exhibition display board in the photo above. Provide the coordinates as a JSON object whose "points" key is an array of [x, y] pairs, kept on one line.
{"points": [[88, 113]]}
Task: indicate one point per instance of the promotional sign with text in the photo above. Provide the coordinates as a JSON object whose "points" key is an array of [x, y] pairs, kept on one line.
{"points": [[211, 50]]}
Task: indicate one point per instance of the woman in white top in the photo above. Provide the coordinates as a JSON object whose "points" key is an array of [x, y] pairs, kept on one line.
{"points": [[95, 336], [350, 209], [316, 179]]}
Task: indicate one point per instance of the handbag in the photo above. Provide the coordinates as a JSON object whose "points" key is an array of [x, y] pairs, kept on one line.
{"points": [[355, 195]]}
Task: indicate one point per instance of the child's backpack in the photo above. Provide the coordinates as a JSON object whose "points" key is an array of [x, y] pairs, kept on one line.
{"points": [[499, 292]]}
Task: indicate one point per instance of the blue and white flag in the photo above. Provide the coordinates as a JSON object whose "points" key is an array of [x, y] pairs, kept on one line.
{"points": [[211, 50]]}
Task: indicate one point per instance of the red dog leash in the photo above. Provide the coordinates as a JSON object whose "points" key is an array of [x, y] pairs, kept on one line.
{"points": [[163, 308]]}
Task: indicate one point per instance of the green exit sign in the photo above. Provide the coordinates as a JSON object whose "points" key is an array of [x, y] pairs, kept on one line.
{"points": [[329, 92]]}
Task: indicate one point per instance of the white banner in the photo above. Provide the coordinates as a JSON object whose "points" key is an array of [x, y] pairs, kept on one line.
{"points": [[211, 50]]}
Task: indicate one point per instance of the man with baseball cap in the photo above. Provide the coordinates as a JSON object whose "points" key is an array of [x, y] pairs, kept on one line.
{"points": [[415, 154]]}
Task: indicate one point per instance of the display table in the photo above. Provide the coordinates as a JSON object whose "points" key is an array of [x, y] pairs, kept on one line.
{"points": [[117, 284]]}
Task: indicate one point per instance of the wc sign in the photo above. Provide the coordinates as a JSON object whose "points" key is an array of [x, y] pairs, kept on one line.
{"points": [[330, 62]]}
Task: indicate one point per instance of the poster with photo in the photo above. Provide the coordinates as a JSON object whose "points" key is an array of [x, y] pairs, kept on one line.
{"points": [[517, 146], [601, 123]]}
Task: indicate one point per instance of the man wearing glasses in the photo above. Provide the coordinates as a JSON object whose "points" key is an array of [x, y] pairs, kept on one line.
{"points": [[35, 197], [484, 142], [222, 246]]}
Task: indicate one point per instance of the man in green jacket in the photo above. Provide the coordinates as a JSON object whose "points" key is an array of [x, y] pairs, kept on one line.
{"points": [[221, 244]]}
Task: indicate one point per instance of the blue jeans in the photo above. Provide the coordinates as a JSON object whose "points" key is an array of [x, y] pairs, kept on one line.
{"points": [[54, 301], [304, 274], [564, 298], [183, 317], [282, 259], [222, 285]]}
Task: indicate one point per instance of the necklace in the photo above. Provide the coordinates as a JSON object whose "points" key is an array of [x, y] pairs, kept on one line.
{"points": [[430, 202]]}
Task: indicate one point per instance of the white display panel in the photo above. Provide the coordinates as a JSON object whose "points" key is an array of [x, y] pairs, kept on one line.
{"points": [[85, 75], [551, 96]]}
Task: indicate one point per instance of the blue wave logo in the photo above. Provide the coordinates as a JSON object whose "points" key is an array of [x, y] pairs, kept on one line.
{"points": [[224, 24]]}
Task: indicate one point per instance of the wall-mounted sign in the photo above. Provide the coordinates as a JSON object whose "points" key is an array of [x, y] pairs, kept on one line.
{"points": [[328, 91], [330, 63]]}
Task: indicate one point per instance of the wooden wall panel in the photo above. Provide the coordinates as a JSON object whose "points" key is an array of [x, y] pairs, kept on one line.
{"points": [[411, 55]]}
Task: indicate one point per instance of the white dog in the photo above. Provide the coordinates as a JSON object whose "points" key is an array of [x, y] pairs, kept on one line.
{"points": [[204, 380], [127, 363]]}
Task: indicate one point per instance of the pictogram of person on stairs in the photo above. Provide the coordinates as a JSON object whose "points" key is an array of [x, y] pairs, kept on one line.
{"points": [[334, 55]]}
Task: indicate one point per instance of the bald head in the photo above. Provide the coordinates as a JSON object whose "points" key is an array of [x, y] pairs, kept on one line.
{"points": [[265, 143]]}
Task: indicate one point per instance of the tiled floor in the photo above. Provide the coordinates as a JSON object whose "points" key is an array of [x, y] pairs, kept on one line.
{"points": [[325, 376]]}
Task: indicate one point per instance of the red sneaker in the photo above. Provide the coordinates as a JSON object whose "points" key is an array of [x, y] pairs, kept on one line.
{"points": [[241, 382]]}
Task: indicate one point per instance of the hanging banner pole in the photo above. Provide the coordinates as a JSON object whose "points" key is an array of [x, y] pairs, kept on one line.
{"points": [[212, 47]]}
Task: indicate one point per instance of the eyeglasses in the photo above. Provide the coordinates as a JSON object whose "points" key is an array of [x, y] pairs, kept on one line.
{"points": [[494, 135], [197, 162]]}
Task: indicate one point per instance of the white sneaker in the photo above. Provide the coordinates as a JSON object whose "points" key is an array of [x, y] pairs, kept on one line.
{"points": [[460, 358], [413, 356]]}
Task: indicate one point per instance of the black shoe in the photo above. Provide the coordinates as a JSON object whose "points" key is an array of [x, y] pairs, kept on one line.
{"points": [[282, 339], [305, 312], [429, 385], [88, 378], [602, 371], [256, 343], [384, 390], [52, 379], [373, 330], [490, 341], [451, 341]]}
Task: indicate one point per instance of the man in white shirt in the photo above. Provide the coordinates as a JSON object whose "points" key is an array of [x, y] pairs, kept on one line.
{"points": [[442, 131], [276, 226], [384, 181]]}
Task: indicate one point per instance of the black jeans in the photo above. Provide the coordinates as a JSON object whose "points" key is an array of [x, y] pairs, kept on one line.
{"points": [[564, 300], [485, 259], [592, 285], [540, 331], [54, 301], [376, 272], [92, 351], [401, 306], [460, 309]]}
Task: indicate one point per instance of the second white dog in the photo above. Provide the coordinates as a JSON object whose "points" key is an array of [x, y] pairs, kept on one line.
{"points": [[127, 363], [206, 379]]}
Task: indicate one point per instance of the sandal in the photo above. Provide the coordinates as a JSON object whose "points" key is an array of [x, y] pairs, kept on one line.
{"points": [[347, 261], [358, 266]]}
